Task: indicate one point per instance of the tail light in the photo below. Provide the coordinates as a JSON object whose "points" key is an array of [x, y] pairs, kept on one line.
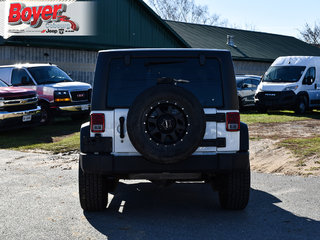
{"points": [[97, 122], [233, 122]]}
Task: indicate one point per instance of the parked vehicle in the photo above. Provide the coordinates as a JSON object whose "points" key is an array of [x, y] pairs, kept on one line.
{"points": [[246, 88], [18, 107], [58, 93], [290, 83], [166, 116]]}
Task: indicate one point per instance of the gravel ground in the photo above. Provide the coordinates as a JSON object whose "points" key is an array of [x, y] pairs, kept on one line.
{"points": [[39, 200]]}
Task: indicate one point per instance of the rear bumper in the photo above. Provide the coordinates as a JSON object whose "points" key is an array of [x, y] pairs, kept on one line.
{"points": [[15, 119], [124, 165], [276, 100]]}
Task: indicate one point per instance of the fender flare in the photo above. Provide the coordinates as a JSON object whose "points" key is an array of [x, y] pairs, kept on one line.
{"points": [[244, 137]]}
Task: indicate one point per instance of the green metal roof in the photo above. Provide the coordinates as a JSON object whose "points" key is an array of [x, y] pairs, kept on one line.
{"points": [[118, 24], [250, 45]]}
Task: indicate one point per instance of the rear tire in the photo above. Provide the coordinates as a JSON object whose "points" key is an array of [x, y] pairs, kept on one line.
{"points": [[93, 192], [234, 190], [166, 124]]}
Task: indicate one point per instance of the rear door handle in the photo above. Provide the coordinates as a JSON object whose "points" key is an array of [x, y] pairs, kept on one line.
{"points": [[121, 120]]}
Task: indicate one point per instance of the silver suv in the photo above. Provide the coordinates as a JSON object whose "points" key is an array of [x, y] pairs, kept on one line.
{"points": [[246, 87]]}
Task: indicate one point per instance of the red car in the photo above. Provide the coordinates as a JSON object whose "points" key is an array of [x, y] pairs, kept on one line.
{"points": [[18, 107]]}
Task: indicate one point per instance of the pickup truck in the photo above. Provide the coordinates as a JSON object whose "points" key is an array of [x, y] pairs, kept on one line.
{"points": [[58, 93], [18, 107]]}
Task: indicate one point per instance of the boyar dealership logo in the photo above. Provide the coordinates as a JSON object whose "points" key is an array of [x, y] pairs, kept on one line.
{"points": [[51, 17], [47, 18]]}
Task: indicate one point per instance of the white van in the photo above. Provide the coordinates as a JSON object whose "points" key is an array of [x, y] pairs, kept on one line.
{"points": [[291, 82]]}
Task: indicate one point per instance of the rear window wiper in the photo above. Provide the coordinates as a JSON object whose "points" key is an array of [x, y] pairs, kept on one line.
{"points": [[167, 80], [162, 63]]}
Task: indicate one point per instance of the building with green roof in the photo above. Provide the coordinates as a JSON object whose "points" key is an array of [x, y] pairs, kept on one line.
{"points": [[252, 51]]}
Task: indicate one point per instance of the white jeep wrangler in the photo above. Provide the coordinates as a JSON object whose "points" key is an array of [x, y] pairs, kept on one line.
{"points": [[164, 115]]}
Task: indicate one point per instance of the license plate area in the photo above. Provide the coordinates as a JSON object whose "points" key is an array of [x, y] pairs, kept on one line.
{"points": [[85, 107], [26, 118]]}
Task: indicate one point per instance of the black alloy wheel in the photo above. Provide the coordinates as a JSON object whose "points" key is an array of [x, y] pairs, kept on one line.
{"points": [[166, 123]]}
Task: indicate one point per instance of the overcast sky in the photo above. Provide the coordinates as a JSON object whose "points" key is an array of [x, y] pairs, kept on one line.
{"points": [[274, 16]]}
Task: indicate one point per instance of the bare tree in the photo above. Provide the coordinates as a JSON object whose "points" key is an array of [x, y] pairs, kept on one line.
{"points": [[185, 11], [249, 27], [311, 34]]}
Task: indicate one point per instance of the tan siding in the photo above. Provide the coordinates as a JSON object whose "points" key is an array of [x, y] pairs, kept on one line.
{"points": [[249, 67], [81, 64]]}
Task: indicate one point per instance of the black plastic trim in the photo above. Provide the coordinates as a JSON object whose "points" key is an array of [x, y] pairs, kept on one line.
{"points": [[94, 144], [124, 165], [244, 137], [219, 117], [276, 100], [219, 142], [121, 120]]}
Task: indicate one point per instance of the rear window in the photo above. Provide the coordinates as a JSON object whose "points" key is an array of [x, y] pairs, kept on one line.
{"points": [[127, 81]]}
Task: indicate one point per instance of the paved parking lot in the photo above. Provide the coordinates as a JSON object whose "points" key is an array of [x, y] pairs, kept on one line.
{"points": [[39, 200]]}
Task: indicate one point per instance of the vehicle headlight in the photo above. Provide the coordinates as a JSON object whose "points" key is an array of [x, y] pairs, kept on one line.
{"points": [[291, 88], [62, 96]]}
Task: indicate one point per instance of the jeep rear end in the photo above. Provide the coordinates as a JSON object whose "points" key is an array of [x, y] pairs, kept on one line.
{"points": [[166, 115]]}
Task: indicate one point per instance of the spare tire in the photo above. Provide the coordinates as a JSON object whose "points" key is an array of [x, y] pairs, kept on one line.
{"points": [[166, 123]]}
